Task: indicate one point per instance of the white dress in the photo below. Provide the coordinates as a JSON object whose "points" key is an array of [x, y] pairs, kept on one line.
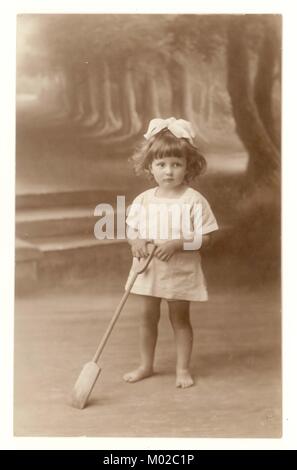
{"points": [[159, 219]]}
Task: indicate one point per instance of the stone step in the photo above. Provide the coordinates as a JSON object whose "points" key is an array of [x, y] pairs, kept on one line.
{"points": [[70, 198], [27, 256], [78, 257], [25, 251], [62, 259], [59, 221]]}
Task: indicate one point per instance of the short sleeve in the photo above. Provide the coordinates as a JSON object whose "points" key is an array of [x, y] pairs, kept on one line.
{"points": [[133, 218], [203, 217]]}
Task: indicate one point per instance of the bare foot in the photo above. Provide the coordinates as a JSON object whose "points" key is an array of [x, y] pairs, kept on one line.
{"points": [[137, 374], [184, 379]]}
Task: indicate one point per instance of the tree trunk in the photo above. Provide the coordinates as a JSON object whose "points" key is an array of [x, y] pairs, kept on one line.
{"points": [[93, 95], [81, 89], [135, 123], [62, 97], [181, 92], [176, 89], [150, 99], [131, 123], [264, 81], [152, 94], [65, 96], [202, 103], [210, 112], [70, 91], [187, 99], [264, 158], [124, 112], [111, 123], [205, 109]]}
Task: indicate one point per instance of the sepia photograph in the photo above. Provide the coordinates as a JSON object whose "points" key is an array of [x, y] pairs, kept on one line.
{"points": [[148, 225]]}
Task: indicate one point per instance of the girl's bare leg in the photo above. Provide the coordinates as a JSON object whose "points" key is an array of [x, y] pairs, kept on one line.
{"points": [[149, 320], [179, 314]]}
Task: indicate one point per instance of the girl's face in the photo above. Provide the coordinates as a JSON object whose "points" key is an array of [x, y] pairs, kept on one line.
{"points": [[169, 172]]}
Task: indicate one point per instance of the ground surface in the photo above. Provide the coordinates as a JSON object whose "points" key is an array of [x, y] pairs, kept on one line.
{"points": [[236, 363]]}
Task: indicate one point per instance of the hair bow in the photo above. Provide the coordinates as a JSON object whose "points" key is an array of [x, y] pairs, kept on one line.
{"points": [[178, 127]]}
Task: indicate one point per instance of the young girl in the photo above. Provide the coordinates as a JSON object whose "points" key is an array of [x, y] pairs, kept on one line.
{"points": [[175, 274]]}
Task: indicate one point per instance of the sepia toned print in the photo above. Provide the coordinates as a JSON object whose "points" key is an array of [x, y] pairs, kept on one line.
{"points": [[95, 94]]}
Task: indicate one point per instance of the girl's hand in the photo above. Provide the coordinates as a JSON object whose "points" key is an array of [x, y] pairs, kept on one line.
{"points": [[165, 251], [139, 248]]}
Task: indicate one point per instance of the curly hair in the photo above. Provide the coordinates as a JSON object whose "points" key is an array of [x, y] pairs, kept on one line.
{"points": [[165, 144]]}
